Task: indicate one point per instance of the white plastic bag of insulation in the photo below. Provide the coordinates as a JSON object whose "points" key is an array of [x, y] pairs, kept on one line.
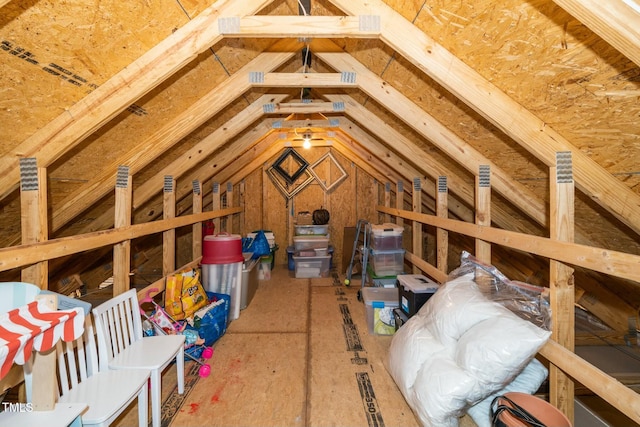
{"points": [[474, 337]]}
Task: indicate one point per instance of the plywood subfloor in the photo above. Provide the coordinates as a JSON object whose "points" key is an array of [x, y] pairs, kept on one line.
{"points": [[299, 355]]}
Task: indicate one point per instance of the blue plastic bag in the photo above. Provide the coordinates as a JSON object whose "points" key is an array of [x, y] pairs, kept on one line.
{"points": [[212, 325], [259, 246]]}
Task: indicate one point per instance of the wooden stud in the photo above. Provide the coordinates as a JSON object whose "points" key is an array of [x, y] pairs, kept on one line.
{"points": [[196, 246], [216, 204], [43, 375], [442, 235], [169, 236], [122, 250], [229, 198], [561, 387], [483, 210], [399, 201], [33, 206], [387, 200], [417, 226], [241, 200]]}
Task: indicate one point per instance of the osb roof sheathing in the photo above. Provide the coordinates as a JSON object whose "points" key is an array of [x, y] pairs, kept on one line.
{"points": [[53, 54]]}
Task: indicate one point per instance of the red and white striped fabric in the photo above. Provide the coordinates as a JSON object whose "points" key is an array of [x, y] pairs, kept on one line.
{"points": [[35, 327]]}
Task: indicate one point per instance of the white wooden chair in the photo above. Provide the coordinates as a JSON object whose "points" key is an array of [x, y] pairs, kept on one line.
{"points": [[107, 393], [122, 346]]}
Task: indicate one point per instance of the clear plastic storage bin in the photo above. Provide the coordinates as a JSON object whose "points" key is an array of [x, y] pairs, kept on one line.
{"points": [[387, 263], [387, 236], [302, 243], [310, 267], [312, 230], [225, 279], [380, 303]]}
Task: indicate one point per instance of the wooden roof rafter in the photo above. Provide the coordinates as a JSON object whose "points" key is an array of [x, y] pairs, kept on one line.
{"points": [[101, 105], [123, 89], [616, 21], [373, 85], [499, 108]]}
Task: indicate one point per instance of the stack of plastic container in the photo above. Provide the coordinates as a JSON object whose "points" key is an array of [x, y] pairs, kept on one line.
{"points": [[386, 259], [311, 252]]}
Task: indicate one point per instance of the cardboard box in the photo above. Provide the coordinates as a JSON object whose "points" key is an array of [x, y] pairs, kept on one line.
{"points": [[304, 218]]}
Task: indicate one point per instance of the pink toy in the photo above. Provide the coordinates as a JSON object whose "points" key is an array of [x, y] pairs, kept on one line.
{"points": [[165, 325]]}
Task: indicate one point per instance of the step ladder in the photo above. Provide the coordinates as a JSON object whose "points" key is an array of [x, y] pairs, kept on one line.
{"points": [[363, 227]]}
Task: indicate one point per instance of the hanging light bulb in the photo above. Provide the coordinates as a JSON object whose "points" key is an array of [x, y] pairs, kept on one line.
{"points": [[306, 138]]}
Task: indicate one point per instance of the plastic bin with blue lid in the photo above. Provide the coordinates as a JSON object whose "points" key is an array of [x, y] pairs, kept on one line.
{"points": [[380, 303]]}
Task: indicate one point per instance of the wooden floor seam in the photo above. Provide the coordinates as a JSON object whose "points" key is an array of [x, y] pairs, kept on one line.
{"points": [[299, 355]]}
